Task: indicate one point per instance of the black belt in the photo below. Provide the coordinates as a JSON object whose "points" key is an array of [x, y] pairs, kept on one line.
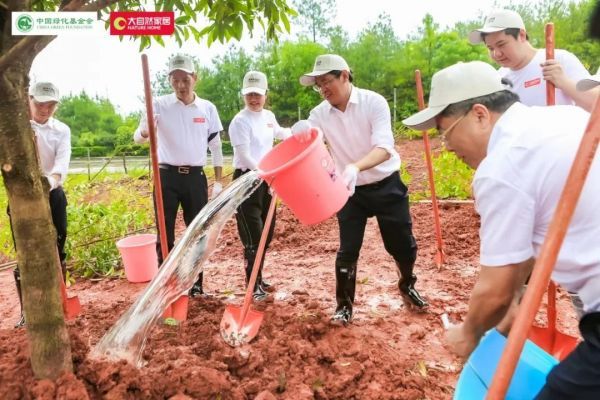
{"points": [[181, 169], [378, 184]]}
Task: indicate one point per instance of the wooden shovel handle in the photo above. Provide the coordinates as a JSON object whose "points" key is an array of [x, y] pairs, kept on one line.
{"points": [[550, 88], [440, 259], [259, 254], [160, 210]]}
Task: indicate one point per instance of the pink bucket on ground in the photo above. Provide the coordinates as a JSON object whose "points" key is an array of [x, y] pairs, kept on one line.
{"points": [[139, 257], [303, 174]]}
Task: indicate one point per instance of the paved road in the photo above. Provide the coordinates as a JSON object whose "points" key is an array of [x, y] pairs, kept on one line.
{"points": [[81, 165]]}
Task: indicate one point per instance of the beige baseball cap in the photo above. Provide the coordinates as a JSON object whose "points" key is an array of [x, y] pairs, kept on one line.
{"points": [[497, 21], [181, 63], [255, 82], [43, 92], [454, 84], [324, 64]]}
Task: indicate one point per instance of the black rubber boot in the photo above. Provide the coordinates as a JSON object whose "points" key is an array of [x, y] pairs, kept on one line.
{"points": [[17, 276], [196, 289], [345, 287], [407, 286], [259, 292]]}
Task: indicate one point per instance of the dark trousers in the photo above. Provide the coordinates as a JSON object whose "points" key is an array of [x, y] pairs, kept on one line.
{"points": [[577, 377], [178, 187], [251, 216], [386, 200], [58, 209]]}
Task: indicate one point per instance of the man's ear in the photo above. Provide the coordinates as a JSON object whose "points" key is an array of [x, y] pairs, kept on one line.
{"points": [[482, 113]]}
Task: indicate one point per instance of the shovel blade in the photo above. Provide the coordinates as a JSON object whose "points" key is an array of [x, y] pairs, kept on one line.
{"points": [[555, 343], [236, 332], [72, 307]]}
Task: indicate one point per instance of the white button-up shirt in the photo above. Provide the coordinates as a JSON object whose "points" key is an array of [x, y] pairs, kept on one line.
{"points": [[257, 130], [183, 131], [352, 134], [529, 83], [518, 185], [53, 140]]}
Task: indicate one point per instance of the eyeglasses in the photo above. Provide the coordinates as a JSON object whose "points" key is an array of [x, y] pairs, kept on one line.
{"points": [[445, 133], [325, 84]]}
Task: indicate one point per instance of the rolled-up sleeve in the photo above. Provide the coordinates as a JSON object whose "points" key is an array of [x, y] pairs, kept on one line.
{"points": [[507, 222], [381, 135], [63, 155]]}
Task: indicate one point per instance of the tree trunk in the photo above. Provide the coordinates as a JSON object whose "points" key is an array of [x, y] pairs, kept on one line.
{"points": [[35, 235]]}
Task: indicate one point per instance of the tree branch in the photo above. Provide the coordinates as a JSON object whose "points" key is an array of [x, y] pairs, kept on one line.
{"points": [[26, 44], [39, 42]]}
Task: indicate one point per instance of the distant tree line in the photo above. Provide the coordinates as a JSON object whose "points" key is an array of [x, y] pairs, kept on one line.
{"points": [[380, 61]]}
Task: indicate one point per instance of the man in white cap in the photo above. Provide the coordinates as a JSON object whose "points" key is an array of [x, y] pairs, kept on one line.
{"points": [[187, 126], [356, 124], [53, 143], [526, 67], [522, 156], [252, 132]]}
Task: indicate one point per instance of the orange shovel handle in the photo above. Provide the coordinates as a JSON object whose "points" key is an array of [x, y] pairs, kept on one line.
{"points": [[550, 89], [259, 255], [440, 259], [160, 211]]}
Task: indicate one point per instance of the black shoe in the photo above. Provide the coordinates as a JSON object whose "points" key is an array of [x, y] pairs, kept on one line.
{"points": [[21, 322], [196, 290], [412, 295], [265, 285], [259, 293], [342, 315]]}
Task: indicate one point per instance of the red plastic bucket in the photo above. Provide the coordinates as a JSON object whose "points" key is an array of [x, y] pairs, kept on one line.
{"points": [[139, 257], [304, 176]]}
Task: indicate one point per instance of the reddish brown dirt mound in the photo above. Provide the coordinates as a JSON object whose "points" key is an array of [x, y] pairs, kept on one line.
{"points": [[388, 352]]}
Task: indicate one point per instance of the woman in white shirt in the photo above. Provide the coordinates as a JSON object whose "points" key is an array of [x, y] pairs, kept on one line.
{"points": [[252, 132]]}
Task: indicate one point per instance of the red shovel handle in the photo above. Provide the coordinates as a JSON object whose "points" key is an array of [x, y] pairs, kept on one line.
{"points": [[259, 255], [160, 210], [550, 89], [440, 259]]}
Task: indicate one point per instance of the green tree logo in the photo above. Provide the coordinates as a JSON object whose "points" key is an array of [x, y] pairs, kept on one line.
{"points": [[25, 23]]}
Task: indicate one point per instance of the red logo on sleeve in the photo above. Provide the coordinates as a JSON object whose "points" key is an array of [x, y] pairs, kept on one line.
{"points": [[199, 120], [533, 82], [269, 125]]}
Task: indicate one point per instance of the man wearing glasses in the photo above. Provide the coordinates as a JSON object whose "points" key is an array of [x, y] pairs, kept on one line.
{"points": [[356, 124], [522, 156]]}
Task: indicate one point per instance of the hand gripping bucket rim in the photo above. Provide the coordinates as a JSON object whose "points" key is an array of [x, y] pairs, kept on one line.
{"points": [[293, 161], [304, 175]]}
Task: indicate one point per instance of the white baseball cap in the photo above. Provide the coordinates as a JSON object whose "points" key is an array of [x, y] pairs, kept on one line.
{"points": [[454, 84], [181, 63], [324, 64], [43, 92], [497, 21], [255, 82]]}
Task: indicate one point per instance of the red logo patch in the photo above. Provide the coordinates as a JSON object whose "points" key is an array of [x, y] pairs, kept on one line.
{"points": [[199, 120], [533, 82], [142, 23], [269, 125]]}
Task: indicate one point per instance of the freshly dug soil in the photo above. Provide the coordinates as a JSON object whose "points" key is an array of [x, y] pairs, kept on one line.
{"points": [[390, 351]]}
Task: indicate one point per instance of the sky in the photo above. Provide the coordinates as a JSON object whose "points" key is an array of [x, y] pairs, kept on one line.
{"points": [[100, 64]]}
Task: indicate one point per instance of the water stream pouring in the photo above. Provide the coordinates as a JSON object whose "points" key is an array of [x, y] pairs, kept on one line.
{"points": [[127, 338]]}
